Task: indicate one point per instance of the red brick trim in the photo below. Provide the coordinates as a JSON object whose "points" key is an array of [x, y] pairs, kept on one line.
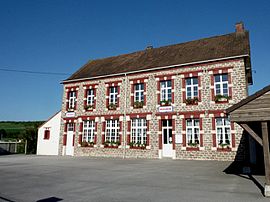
{"points": [[192, 116], [173, 134], [161, 79], [64, 140], [69, 89], [137, 81], [214, 138], [134, 116], [112, 84], [160, 135], [225, 70], [87, 87]]}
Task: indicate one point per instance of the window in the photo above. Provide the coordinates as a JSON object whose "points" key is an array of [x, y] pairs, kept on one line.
{"points": [[193, 131], [90, 97], [70, 127], [223, 130], [46, 134], [192, 88], [221, 84], [138, 128], [88, 131], [138, 92], [166, 91], [112, 130], [71, 99], [113, 92]]}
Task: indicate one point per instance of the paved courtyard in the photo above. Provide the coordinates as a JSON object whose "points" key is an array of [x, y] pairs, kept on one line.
{"points": [[42, 178]]}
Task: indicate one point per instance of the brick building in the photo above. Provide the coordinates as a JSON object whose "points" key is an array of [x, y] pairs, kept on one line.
{"points": [[159, 102]]}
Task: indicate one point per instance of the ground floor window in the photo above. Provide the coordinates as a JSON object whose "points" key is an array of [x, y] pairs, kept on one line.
{"points": [[88, 131], [193, 131], [223, 131], [112, 130], [138, 131]]}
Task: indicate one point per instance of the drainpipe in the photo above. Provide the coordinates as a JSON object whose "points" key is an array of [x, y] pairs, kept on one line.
{"points": [[125, 118]]}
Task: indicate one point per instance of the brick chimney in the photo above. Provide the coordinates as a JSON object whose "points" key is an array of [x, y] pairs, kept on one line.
{"points": [[239, 27]]}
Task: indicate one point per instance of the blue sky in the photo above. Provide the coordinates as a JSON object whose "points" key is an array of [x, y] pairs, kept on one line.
{"points": [[62, 35]]}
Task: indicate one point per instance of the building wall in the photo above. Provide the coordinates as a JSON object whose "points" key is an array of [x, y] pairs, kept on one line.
{"points": [[49, 146], [206, 110]]}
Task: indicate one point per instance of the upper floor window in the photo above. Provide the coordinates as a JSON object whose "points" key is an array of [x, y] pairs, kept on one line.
{"points": [[112, 130], [192, 88], [223, 130], [193, 131], [166, 92], [71, 99], [90, 97], [138, 92], [138, 131], [88, 131], [221, 84], [113, 92]]}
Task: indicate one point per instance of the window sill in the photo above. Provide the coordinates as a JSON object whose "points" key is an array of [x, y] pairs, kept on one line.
{"points": [[142, 148], [193, 149], [188, 104], [89, 109], [111, 147], [222, 102], [90, 146], [224, 149]]}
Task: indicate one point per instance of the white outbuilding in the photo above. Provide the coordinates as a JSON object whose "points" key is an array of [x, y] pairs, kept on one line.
{"points": [[48, 136]]}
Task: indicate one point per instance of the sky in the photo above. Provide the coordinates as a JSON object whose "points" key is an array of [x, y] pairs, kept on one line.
{"points": [[59, 36]]}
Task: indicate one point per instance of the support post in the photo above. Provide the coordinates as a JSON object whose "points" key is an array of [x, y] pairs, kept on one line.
{"points": [[266, 155]]}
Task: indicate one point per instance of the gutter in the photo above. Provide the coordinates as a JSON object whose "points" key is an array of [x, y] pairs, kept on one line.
{"points": [[155, 68]]}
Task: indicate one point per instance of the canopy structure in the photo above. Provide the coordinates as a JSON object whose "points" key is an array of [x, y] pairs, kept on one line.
{"points": [[253, 115]]}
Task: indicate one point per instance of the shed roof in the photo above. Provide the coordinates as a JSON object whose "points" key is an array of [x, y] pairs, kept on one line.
{"points": [[217, 47], [248, 99]]}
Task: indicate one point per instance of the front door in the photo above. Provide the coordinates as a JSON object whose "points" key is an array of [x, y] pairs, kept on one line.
{"points": [[167, 138], [70, 134]]}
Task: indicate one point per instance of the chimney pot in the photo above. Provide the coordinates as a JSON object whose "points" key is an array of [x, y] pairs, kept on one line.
{"points": [[149, 47], [239, 27]]}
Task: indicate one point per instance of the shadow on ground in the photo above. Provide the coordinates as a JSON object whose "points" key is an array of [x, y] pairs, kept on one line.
{"points": [[246, 171]]}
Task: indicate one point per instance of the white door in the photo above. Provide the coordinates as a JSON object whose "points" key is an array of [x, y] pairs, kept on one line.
{"points": [[70, 133], [167, 138]]}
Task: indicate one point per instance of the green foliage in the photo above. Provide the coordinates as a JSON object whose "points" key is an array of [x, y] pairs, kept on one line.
{"points": [[25, 131]]}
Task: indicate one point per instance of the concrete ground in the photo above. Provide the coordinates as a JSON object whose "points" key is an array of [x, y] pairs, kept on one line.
{"points": [[42, 178]]}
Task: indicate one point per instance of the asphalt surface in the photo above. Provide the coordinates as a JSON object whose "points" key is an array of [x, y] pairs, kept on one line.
{"points": [[52, 179]]}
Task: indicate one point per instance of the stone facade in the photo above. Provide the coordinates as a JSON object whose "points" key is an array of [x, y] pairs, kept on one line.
{"points": [[206, 110]]}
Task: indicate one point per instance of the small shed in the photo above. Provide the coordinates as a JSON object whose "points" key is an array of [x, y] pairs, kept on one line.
{"points": [[48, 136], [253, 115]]}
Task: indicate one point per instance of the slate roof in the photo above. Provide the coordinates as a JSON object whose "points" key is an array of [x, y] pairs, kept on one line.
{"points": [[217, 47]]}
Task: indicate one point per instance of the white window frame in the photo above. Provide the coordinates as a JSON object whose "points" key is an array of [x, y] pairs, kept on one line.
{"points": [[164, 91], [139, 91], [113, 95], [192, 87], [139, 131], [90, 97], [70, 127], [88, 131], [71, 99], [224, 127], [112, 130], [221, 83], [193, 128]]}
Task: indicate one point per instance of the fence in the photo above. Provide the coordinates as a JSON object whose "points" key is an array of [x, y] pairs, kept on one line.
{"points": [[12, 147]]}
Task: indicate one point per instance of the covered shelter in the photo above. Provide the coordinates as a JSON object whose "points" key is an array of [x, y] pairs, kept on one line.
{"points": [[253, 115]]}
